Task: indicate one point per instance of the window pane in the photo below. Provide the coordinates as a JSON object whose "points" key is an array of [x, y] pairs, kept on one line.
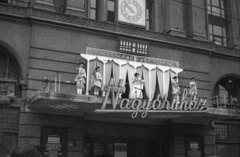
{"points": [[215, 11], [224, 32], [210, 29], [147, 14], [3, 65], [93, 14], [110, 16], [210, 38], [223, 13], [147, 25], [217, 30], [208, 2], [93, 3], [218, 41], [110, 5], [222, 4], [209, 9], [215, 3], [224, 41]]}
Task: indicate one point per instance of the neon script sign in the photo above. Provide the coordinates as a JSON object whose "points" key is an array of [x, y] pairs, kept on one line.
{"points": [[136, 106]]}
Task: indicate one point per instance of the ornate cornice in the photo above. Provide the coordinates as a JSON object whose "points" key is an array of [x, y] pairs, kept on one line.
{"points": [[124, 56], [12, 10]]}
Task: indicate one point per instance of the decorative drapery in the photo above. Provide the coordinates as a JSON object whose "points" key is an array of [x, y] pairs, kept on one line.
{"points": [[146, 77], [160, 74], [153, 82], [119, 69], [92, 65], [127, 69], [112, 70]]}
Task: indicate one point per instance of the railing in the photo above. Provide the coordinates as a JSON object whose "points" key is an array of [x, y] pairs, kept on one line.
{"points": [[221, 101], [48, 80]]}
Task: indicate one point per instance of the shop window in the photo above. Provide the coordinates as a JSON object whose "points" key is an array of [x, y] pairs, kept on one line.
{"points": [[218, 21], [227, 138], [221, 131], [227, 132], [111, 149], [133, 46]]}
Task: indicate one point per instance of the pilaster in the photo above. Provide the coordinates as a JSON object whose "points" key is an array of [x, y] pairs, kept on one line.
{"points": [[156, 16], [102, 11], [174, 18], [196, 20]]}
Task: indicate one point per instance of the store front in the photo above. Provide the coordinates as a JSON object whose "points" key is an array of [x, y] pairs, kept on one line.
{"points": [[119, 139]]}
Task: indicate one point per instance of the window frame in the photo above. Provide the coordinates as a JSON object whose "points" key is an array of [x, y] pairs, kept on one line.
{"points": [[114, 12], [218, 21]]}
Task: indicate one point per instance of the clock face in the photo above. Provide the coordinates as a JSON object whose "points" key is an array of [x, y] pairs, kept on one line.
{"points": [[132, 11]]}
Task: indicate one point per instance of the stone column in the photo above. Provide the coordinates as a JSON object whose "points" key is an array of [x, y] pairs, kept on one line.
{"points": [[156, 17], [102, 11], [76, 8], [195, 19], [174, 14], [44, 4]]}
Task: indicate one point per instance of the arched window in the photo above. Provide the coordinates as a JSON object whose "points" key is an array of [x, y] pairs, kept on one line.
{"points": [[227, 91], [10, 74]]}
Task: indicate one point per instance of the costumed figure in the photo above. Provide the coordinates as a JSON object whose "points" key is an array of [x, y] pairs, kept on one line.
{"points": [[137, 87], [97, 80], [175, 89], [80, 78], [45, 83], [193, 88]]}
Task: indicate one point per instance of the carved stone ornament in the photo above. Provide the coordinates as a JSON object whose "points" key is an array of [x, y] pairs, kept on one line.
{"points": [[60, 6]]}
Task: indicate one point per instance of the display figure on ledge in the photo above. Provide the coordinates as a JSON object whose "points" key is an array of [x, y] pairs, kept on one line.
{"points": [[97, 80], [80, 78], [175, 89], [45, 82], [192, 88], [137, 87]]}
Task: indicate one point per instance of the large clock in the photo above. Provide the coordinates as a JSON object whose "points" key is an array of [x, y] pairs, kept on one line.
{"points": [[132, 12]]}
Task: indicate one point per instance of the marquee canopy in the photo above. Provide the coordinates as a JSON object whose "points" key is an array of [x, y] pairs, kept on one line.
{"points": [[123, 66]]}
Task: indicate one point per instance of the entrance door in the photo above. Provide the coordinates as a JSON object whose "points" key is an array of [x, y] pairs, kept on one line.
{"points": [[107, 147]]}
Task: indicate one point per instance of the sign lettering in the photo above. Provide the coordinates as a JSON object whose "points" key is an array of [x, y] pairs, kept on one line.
{"points": [[136, 106]]}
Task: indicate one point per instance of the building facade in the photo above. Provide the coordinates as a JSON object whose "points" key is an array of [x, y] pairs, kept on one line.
{"points": [[55, 53]]}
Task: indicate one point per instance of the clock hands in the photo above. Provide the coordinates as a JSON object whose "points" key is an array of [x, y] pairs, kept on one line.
{"points": [[129, 7]]}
